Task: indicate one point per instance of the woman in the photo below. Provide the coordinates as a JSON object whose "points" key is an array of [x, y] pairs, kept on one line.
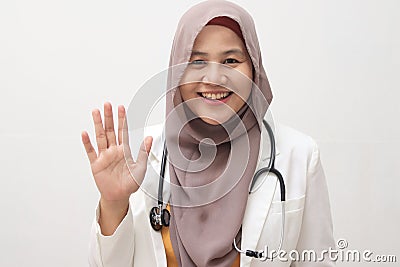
{"points": [[216, 141]]}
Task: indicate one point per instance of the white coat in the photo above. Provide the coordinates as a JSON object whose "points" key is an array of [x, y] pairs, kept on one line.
{"points": [[308, 223]]}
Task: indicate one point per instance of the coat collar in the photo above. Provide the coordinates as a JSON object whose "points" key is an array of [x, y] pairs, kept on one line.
{"points": [[158, 137]]}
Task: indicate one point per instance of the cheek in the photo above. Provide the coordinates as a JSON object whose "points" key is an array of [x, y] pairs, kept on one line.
{"points": [[239, 100], [243, 88], [247, 70], [187, 91], [243, 82]]}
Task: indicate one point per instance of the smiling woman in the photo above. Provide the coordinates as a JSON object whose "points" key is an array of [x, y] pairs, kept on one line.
{"points": [[214, 142], [223, 45]]}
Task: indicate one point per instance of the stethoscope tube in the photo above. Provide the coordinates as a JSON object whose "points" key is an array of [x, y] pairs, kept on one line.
{"points": [[162, 173], [271, 165], [160, 217], [264, 255]]}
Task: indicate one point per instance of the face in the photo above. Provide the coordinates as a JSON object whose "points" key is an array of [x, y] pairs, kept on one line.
{"points": [[218, 78]]}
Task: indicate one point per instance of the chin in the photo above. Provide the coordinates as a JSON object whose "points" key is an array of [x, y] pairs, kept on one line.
{"points": [[210, 121], [214, 119]]}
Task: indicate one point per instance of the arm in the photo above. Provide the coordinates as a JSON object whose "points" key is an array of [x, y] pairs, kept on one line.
{"points": [[112, 250], [317, 229], [112, 213], [117, 176]]}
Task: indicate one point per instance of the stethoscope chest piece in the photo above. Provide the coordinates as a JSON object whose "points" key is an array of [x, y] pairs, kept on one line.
{"points": [[159, 217]]}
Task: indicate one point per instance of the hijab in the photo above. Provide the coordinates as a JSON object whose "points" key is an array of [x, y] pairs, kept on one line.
{"points": [[211, 166]]}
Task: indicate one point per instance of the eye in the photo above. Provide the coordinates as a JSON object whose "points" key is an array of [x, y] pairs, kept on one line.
{"points": [[198, 62], [231, 61]]}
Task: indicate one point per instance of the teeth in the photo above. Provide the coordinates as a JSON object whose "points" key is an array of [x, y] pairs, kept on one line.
{"points": [[215, 96]]}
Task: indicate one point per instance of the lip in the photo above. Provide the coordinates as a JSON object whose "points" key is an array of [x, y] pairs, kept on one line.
{"points": [[216, 102], [214, 92]]}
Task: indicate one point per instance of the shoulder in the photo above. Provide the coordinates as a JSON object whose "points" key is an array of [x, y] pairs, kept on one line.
{"points": [[295, 143], [298, 160]]}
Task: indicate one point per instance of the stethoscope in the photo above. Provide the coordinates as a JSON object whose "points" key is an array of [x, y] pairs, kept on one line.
{"points": [[160, 216]]}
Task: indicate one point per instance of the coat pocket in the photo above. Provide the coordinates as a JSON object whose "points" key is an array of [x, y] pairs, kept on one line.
{"points": [[271, 233], [291, 205]]}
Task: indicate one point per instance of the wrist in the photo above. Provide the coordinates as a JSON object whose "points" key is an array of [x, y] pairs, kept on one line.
{"points": [[114, 206], [111, 214], [114, 202]]}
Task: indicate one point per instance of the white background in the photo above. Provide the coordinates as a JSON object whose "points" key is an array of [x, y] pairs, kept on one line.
{"points": [[333, 68]]}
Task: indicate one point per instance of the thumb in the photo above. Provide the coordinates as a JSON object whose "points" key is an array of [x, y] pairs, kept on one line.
{"points": [[144, 150]]}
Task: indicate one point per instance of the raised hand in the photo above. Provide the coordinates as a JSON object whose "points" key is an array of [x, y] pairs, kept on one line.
{"points": [[115, 172]]}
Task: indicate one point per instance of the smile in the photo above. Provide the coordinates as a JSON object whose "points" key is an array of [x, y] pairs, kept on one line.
{"points": [[215, 96]]}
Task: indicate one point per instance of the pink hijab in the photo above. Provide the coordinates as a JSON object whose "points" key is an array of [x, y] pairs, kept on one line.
{"points": [[208, 204]]}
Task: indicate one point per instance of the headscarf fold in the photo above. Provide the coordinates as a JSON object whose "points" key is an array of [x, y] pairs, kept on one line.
{"points": [[208, 198]]}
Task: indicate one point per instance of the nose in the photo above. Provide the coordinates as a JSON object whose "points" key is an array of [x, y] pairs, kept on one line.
{"points": [[214, 74]]}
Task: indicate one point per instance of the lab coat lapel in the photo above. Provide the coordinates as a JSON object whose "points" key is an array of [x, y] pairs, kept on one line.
{"points": [[258, 202], [156, 236], [154, 160]]}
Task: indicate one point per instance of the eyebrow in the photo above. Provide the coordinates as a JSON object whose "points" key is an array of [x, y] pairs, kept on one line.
{"points": [[227, 52]]}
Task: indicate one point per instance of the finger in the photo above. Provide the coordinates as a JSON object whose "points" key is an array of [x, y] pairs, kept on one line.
{"points": [[100, 133], [109, 124], [91, 153], [144, 150], [122, 126]]}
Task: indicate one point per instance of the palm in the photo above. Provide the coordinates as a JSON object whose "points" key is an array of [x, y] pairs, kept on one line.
{"points": [[115, 172]]}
